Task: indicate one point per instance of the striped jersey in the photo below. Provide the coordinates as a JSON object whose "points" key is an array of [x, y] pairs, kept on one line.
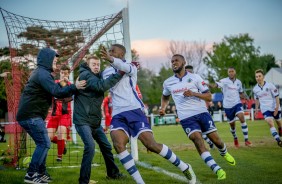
{"points": [[231, 91], [186, 106], [124, 95], [266, 95]]}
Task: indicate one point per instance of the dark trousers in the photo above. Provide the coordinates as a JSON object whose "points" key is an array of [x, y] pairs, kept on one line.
{"points": [[88, 135]]}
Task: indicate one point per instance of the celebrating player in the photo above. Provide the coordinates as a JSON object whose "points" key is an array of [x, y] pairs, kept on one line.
{"points": [[129, 119], [232, 92], [189, 93], [60, 120], [266, 95]]}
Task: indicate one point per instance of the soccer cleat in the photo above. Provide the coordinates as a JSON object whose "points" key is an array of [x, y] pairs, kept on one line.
{"points": [[35, 179], [221, 174], [236, 143], [280, 143], [117, 176], [59, 159], [190, 175], [248, 143], [45, 177], [229, 159], [211, 146]]}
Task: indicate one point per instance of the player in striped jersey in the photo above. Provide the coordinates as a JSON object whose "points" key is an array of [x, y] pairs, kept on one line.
{"points": [[129, 119], [232, 92], [266, 95], [189, 93]]}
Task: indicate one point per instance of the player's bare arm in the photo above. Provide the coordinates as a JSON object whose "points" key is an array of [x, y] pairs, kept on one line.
{"points": [[164, 103], [204, 96], [277, 105]]}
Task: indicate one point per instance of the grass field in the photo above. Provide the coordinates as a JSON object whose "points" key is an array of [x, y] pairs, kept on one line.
{"points": [[261, 164]]}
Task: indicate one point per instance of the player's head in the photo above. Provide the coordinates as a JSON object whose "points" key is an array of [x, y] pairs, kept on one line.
{"points": [[231, 72], [64, 72], [117, 51], [259, 76], [94, 63], [189, 68], [177, 63]]}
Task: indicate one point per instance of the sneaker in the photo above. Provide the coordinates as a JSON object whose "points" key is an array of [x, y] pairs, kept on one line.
{"points": [[248, 143], [92, 182], [236, 143], [190, 175], [117, 176], [280, 143], [221, 174], [59, 159], [229, 159], [33, 179], [65, 150], [45, 177]]}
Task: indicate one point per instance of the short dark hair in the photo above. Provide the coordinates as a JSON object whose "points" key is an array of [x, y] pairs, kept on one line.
{"points": [[259, 71], [120, 46], [65, 67], [179, 55], [189, 67], [232, 67]]}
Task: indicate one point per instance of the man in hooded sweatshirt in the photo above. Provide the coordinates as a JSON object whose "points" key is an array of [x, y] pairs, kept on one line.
{"points": [[87, 117], [35, 101]]}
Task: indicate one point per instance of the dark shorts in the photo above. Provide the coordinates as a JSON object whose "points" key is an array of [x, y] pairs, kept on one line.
{"points": [[232, 112], [132, 122], [199, 123], [269, 114]]}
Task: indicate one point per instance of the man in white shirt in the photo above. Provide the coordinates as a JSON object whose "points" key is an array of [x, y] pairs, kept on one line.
{"points": [[189, 93], [129, 119], [232, 92], [266, 95]]}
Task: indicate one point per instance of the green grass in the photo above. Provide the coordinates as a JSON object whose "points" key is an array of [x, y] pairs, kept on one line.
{"points": [[260, 164]]}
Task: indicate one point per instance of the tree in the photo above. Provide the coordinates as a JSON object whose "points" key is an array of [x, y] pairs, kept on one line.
{"points": [[5, 65], [193, 52], [239, 52]]}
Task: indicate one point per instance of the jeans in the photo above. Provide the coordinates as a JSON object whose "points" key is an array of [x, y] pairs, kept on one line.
{"points": [[88, 135], [37, 130]]}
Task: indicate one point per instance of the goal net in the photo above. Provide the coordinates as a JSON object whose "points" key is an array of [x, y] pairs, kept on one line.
{"points": [[72, 40]]}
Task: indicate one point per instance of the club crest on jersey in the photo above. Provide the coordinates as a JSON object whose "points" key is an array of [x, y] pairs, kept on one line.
{"points": [[266, 89], [188, 130], [275, 91], [189, 80]]}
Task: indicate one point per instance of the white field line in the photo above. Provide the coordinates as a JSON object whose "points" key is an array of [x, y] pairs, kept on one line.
{"points": [[160, 170]]}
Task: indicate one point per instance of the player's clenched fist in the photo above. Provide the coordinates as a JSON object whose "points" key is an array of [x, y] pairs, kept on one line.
{"points": [[162, 112]]}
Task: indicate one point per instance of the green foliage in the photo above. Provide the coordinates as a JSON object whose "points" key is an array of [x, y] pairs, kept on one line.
{"points": [[5, 66], [238, 52]]}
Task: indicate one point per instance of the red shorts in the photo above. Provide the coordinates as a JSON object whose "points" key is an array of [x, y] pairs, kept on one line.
{"points": [[56, 121]]}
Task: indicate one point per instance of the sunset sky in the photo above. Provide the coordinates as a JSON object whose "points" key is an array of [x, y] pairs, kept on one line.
{"points": [[153, 23]]}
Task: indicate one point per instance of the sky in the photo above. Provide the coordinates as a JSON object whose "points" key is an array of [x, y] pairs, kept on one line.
{"points": [[154, 23]]}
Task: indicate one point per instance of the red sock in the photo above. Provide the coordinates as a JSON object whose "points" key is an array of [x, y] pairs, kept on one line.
{"points": [[55, 139], [61, 147]]}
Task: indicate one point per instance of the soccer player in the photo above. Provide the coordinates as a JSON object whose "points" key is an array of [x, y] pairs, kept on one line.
{"points": [[266, 95], [129, 119], [189, 93], [60, 120], [232, 92], [33, 108], [190, 68]]}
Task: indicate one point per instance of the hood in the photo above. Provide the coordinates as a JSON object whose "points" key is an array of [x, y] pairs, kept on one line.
{"points": [[84, 67], [45, 58]]}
